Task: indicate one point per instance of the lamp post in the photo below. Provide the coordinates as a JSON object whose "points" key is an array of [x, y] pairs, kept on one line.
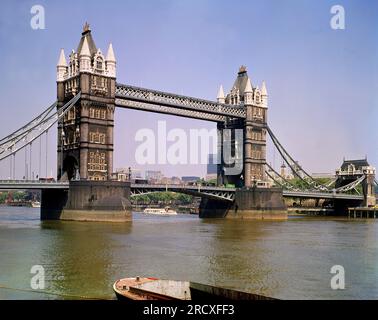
{"points": [[61, 150]]}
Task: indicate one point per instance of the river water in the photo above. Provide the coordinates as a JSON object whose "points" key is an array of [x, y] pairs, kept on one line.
{"points": [[287, 260]]}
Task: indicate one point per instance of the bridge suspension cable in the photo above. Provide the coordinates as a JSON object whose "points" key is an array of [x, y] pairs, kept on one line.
{"points": [[329, 184], [25, 136], [351, 185], [294, 166], [40, 155], [46, 155], [276, 181], [281, 180], [29, 125]]}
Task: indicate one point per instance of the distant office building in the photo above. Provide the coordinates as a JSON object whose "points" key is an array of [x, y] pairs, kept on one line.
{"points": [[211, 176], [212, 164], [323, 175], [154, 175], [187, 179], [176, 180], [171, 180], [123, 174], [136, 173]]}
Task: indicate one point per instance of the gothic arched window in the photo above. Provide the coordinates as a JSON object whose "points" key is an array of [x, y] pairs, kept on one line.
{"points": [[258, 97], [99, 64]]}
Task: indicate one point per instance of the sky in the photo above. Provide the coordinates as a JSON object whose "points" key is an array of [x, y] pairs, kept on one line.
{"points": [[322, 83]]}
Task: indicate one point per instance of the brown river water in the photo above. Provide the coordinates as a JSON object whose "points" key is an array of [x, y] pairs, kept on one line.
{"points": [[286, 260]]}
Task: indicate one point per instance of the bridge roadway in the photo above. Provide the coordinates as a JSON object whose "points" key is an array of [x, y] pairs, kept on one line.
{"points": [[214, 191], [32, 185], [221, 193]]}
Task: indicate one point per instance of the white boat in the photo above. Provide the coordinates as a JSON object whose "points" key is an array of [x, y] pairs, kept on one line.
{"points": [[160, 211], [36, 204]]}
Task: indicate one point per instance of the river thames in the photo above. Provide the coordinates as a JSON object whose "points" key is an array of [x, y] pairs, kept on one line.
{"points": [[285, 260]]}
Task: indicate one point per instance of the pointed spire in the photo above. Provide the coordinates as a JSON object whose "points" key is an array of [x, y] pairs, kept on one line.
{"points": [[220, 93], [85, 49], [220, 97], [62, 59], [264, 92], [242, 69], [86, 27], [248, 87], [110, 55]]}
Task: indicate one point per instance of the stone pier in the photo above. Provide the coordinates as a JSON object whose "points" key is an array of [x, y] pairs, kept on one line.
{"points": [[259, 204], [88, 201], [211, 208], [250, 203]]}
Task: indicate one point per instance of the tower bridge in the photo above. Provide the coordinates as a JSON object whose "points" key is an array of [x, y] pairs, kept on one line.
{"points": [[87, 95]]}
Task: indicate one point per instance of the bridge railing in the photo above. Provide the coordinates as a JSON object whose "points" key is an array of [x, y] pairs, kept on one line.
{"points": [[180, 186], [31, 182]]}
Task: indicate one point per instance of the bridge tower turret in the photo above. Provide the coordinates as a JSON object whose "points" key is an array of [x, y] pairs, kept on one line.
{"points": [[220, 97], [369, 187], [85, 135], [111, 62], [62, 67], [264, 98], [248, 137]]}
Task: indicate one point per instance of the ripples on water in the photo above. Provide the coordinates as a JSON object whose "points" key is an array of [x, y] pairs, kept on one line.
{"points": [[288, 260]]}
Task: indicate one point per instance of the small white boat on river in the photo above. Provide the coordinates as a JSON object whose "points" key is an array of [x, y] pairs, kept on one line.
{"points": [[36, 204], [160, 211]]}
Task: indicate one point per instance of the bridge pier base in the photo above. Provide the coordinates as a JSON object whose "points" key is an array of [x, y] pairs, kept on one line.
{"points": [[210, 208], [250, 203], [258, 204], [88, 201], [52, 203]]}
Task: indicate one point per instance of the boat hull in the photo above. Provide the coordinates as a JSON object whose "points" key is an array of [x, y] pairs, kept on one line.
{"points": [[155, 289]]}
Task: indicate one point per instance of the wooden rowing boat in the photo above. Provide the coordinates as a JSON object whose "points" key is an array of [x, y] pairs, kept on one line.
{"points": [[139, 288]]}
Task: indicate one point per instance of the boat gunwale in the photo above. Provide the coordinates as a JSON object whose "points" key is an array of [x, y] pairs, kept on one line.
{"points": [[135, 293]]}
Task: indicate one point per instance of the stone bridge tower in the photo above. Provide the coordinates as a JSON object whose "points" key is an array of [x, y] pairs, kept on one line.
{"points": [[255, 102], [254, 199], [85, 135]]}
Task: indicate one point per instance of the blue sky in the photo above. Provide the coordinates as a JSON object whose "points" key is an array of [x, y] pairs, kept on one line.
{"points": [[322, 83]]}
